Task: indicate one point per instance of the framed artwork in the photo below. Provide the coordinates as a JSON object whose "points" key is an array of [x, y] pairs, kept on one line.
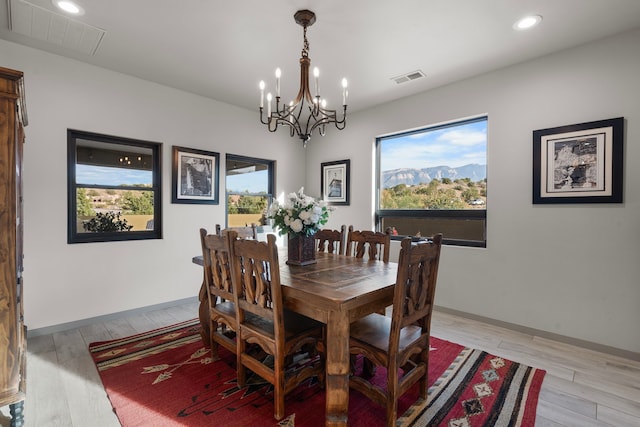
{"points": [[579, 163], [334, 182], [195, 176]]}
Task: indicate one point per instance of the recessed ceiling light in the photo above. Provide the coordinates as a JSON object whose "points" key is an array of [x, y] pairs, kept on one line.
{"points": [[527, 22], [68, 6]]}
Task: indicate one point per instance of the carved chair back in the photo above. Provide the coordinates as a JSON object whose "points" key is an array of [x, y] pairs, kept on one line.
{"points": [[217, 279], [246, 232], [332, 241], [372, 243]]}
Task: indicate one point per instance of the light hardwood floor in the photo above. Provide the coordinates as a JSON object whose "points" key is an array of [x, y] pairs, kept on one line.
{"points": [[581, 388]]}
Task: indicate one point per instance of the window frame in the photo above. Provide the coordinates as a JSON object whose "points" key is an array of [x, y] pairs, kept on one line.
{"points": [[271, 174], [73, 236], [455, 214]]}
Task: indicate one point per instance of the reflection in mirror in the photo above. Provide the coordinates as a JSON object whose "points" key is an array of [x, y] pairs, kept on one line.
{"points": [[117, 188]]}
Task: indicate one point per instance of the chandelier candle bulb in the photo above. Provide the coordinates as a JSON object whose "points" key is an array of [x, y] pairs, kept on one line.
{"points": [[269, 104], [344, 91], [316, 74], [261, 85], [278, 74]]}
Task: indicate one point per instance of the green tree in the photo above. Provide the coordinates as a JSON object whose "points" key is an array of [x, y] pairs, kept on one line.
{"points": [[470, 194], [388, 200], [444, 199], [252, 204], [137, 203], [83, 204]]}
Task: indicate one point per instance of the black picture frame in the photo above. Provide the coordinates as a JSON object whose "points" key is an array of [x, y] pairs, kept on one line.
{"points": [[581, 163], [334, 182], [195, 176]]}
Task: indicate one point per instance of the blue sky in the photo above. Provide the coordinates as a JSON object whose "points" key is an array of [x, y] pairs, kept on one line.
{"points": [[254, 182], [451, 146], [100, 175]]}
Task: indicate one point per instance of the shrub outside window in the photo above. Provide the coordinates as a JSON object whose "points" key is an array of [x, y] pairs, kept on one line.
{"points": [[114, 188], [434, 180]]}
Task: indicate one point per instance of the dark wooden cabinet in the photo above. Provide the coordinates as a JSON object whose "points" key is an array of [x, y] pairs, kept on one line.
{"points": [[12, 330]]}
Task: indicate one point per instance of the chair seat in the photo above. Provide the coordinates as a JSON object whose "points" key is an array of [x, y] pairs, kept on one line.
{"points": [[375, 329], [294, 324], [226, 309]]}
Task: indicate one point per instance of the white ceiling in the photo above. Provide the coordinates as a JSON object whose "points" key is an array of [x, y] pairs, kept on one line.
{"points": [[221, 50]]}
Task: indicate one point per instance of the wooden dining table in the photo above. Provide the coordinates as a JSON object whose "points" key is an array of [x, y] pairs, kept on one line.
{"points": [[336, 290]]}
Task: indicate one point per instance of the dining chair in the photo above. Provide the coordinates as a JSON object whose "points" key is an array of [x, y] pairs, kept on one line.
{"points": [[262, 320], [331, 241], [246, 232], [217, 279], [373, 243], [400, 341]]}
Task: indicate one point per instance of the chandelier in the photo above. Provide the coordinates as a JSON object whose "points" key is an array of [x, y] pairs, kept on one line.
{"points": [[305, 113]]}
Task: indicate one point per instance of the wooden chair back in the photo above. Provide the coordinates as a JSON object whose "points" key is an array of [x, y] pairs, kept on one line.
{"points": [[372, 243], [401, 341], [217, 279], [415, 287], [256, 270], [262, 320], [332, 241], [246, 232]]}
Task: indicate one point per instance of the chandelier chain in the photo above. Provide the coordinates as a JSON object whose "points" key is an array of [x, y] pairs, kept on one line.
{"points": [[305, 46]]}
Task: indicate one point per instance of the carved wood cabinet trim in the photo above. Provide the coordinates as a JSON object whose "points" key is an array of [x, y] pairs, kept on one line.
{"points": [[12, 329]]}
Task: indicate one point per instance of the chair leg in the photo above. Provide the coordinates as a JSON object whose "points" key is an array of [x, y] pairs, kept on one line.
{"points": [[368, 368], [241, 371], [424, 381], [212, 342], [278, 387], [392, 399]]}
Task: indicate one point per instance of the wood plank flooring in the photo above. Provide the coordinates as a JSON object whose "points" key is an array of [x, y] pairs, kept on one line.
{"points": [[582, 387]]}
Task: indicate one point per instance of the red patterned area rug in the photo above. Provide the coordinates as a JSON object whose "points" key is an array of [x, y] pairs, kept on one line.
{"points": [[166, 378]]}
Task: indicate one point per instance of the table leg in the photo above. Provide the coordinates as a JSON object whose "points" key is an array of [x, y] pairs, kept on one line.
{"points": [[337, 384]]}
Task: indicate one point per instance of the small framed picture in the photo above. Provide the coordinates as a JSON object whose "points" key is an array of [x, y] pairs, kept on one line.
{"points": [[195, 176], [579, 163], [334, 182]]}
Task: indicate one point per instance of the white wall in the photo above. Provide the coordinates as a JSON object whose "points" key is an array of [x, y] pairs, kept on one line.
{"points": [[572, 270], [65, 283]]}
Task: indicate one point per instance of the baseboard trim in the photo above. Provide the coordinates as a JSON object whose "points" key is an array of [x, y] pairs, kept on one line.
{"points": [[614, 351], [31, 333]]}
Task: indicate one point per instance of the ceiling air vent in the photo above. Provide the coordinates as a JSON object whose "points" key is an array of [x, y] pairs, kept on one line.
{"points": [[39, 23], [408, 77]]}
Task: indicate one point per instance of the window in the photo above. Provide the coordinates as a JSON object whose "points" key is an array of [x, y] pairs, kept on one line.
{"points": [[250, 185], [113, 188], [434, 180]]}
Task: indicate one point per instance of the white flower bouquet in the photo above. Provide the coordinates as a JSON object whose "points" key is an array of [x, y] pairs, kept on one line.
{"points": [[300, 214]]}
